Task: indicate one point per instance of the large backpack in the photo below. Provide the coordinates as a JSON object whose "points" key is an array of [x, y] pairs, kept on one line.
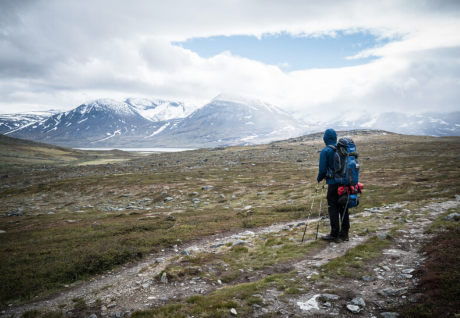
{"points": [[346, 163]]}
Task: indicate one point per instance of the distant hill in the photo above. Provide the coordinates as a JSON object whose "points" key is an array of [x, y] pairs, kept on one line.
{"points": [[11, 122], [429, 124], [18, 153], [10, 142]]}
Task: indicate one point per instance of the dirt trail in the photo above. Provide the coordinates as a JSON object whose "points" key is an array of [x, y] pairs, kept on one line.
{"points": [[134, 288], [388, 288]]}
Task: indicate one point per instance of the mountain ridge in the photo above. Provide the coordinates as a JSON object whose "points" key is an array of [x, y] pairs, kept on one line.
{"points": [[427, 123], [227, 119]]}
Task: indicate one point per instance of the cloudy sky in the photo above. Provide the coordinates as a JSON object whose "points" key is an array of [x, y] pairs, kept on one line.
{"points": [[304, 56]]}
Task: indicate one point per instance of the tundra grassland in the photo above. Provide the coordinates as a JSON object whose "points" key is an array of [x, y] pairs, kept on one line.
{"points": [[17, 155], [79, 221]]}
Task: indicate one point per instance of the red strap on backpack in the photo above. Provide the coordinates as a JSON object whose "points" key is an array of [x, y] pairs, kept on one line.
{"points": [[346, 189], [351, 189]]}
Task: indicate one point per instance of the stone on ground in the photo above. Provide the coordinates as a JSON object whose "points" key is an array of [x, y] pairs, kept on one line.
{"points": [[309, 304], [451, 217], [367, 278], [358, 302], [164, 279], [354, 309], [393, 292], [408, 271], [329, 296], [238, 242]]}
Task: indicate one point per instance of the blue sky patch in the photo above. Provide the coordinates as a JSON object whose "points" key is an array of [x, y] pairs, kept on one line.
{"points": [[287, 52]]}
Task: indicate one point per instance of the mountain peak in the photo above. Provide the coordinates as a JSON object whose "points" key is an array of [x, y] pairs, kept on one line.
{"points": [[236, 98], [104, 104], [254, 103]]}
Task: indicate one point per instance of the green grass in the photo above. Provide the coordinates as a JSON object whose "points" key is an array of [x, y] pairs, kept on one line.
{"points": [[241, 297], [441, 224], [53, 314], [350, 264], [34, 313], [79, 303], [163, 312]]}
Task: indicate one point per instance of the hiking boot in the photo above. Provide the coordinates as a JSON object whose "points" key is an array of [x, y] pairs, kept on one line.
{"points": [[330, 238], [344, 237]]}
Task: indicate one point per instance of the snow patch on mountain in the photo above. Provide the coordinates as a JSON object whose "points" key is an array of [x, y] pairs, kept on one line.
{"points": [[13, 122], [103, 105], [159, 130], [117, 132], [161, 110], [371, 122]]}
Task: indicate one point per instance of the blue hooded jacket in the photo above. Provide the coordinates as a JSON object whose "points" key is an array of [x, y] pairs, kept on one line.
{"points": [[326, 158]]}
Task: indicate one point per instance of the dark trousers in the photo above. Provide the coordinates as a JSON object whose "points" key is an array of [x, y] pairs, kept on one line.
{"points": [[336, 212]]}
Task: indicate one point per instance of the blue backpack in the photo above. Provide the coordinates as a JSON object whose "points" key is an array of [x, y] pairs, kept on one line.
{"points": [[346, 163], [349, 200]]}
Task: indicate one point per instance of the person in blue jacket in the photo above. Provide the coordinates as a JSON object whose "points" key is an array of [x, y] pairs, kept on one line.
{"points": [[326, 166]]}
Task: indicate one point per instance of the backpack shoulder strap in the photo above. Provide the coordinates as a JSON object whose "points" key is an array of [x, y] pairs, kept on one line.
{"points": [[330, 170]]}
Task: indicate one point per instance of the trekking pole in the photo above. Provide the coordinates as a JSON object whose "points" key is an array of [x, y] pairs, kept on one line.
{"points": [[319, 217], [345, 210], [306, 225]]}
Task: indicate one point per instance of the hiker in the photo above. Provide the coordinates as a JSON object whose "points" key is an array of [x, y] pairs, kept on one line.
{"points": [[326, 166]]}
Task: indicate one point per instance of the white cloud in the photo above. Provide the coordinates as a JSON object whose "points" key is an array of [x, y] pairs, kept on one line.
{"points": [[59, 54]]}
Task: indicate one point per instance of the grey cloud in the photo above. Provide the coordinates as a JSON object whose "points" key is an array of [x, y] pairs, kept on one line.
{"points": [[58, 52]]}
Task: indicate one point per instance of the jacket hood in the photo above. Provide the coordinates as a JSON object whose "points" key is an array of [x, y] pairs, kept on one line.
{"points": [[330, 137]]}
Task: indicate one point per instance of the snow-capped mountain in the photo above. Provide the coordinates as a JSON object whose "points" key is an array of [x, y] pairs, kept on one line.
{"points": [[11, 122], [226, 120], [105, 121], [433, 124], [233, 119]]}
